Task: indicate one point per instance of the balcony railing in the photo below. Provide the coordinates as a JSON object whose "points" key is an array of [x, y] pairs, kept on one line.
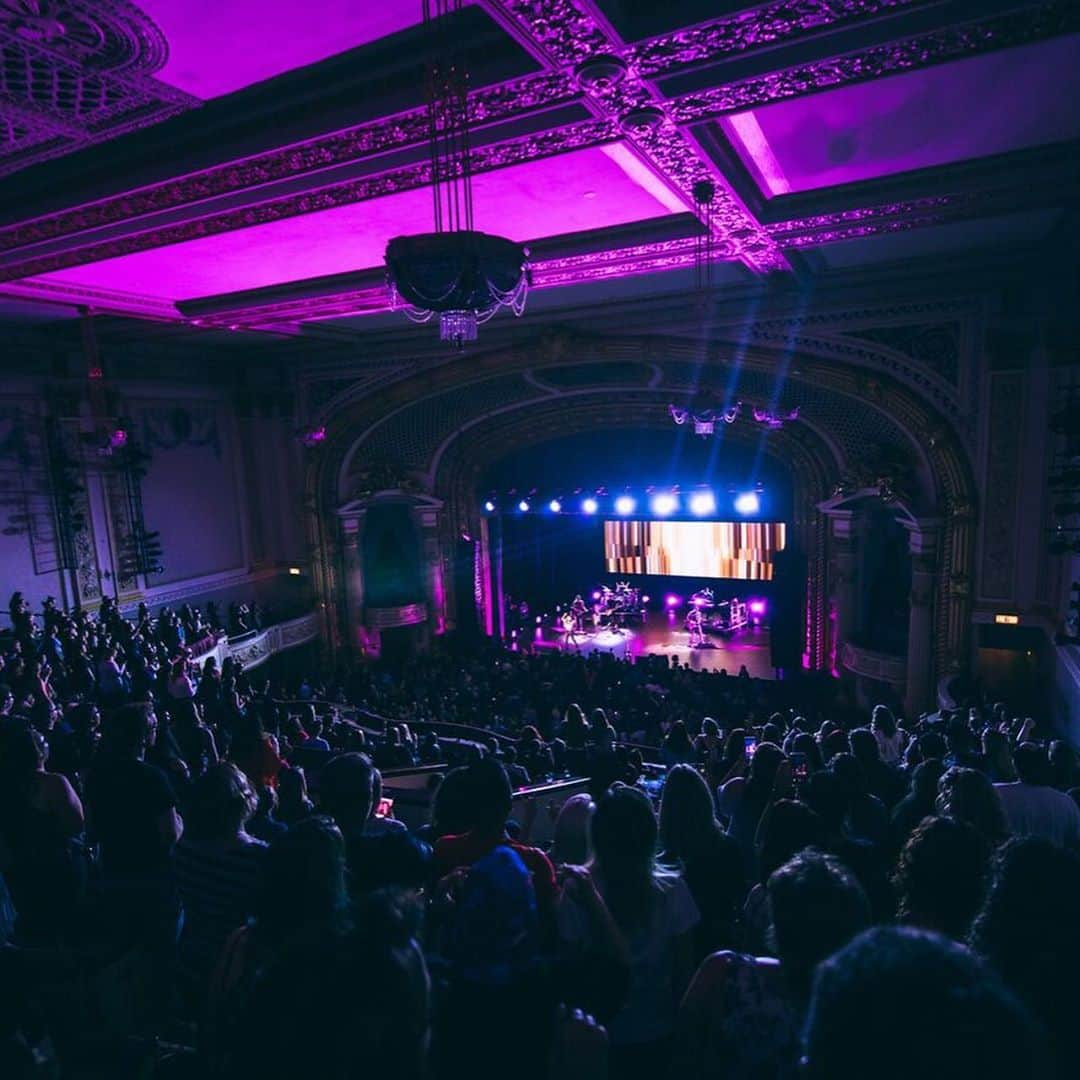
{"points": [[251, 650], [884, 667]]}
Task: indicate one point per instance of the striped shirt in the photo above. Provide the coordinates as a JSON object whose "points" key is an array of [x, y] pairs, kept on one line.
{"points": [[218, 889]]}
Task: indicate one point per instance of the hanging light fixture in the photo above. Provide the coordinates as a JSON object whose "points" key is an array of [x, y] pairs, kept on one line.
{"points": [[455, 272]]}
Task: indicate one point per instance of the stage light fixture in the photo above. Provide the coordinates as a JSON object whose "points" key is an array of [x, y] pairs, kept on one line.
{"points": [[702, 503], [757, 607], [523, 506], [664, 504], [747, 502], [589, 506], [555, 506], [489, 506], [671, 600], [625, 504]]}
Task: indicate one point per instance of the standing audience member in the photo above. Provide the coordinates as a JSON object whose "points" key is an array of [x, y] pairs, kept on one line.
{"points": [[1028, 931], [898, 1004], [624, 910], [217, 868], [1032, 806], [742, 1015]]}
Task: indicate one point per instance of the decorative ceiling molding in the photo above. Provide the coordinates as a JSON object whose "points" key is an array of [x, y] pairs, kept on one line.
{"points": [[74, 73], [1015, 28], [487, 105], [907, 214], [758, 27], [573, 32], [497, 155]]}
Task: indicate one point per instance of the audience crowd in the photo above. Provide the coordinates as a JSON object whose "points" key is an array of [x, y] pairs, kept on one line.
{"points": [[200, 874]]}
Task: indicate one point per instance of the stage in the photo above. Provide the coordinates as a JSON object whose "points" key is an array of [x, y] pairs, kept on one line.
{"points": [[663, 634]]}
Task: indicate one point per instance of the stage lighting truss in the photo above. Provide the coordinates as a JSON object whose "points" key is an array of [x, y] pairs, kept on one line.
{"points": [[705, 420]]}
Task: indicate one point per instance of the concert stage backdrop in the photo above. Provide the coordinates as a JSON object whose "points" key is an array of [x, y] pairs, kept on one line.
{"points": [[742, 550]]}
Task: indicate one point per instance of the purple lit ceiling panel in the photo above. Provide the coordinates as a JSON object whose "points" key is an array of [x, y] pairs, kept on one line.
{"points": [[992, 104], [217, 47], [586, 189]]}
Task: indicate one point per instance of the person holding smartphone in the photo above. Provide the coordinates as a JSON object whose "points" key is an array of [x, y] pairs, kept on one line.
{"points": [[743, 799]]}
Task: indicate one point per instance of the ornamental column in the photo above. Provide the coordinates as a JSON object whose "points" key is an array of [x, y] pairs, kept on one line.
{"points": [[920, 692], [352, 534], [426, 516], [843, 577]]}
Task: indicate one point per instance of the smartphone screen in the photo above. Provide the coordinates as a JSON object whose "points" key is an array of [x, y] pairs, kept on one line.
{"points": [[384, 807], [800, 768], [750, 745]]}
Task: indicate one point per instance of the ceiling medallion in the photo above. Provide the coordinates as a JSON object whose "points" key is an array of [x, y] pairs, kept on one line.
{"points": [[455, 272]]}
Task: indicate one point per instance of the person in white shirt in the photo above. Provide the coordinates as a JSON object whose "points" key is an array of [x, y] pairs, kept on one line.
{"points": [[1033, 807]]}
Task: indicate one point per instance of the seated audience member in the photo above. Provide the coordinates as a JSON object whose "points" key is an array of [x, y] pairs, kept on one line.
{"points": [[918, 803], [967, 795], [1032, 806], [1028, 931], [379, 823], [623, 912], [742, 1015], [41, 819], [346, 793], [218, 864], [941, 876], [485, 803], [896, 1004]]}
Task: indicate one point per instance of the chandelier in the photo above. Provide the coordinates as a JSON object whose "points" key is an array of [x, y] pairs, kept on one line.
{"points": [[455, 272]]}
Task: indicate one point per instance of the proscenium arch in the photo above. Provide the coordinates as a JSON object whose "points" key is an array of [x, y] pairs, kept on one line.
{"points": [[812, 463], [932, 440]]}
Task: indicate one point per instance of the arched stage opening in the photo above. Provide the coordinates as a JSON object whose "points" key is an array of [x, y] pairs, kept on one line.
{"points": [[868, 456]]}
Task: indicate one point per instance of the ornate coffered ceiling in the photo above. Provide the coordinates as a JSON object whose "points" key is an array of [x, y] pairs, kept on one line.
{"points": [[233, 167]]}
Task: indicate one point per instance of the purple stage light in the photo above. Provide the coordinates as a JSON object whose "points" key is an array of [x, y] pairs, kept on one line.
{"points": [[671, 600], [646, 599], [596, 595], [757, 607], [489, 506], [118, 439]]}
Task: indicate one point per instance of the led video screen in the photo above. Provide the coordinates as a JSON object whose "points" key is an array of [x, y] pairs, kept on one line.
{"points": [[700, 549]]}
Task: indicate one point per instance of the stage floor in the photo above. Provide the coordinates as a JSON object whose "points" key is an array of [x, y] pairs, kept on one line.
{"points": [[662, 634]]}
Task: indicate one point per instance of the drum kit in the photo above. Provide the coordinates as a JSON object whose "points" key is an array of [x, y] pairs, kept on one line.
{"points": [[614, 607]]}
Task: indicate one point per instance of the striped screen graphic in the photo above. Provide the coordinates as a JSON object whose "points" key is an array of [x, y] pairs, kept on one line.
{"points": [[701, 549]]}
